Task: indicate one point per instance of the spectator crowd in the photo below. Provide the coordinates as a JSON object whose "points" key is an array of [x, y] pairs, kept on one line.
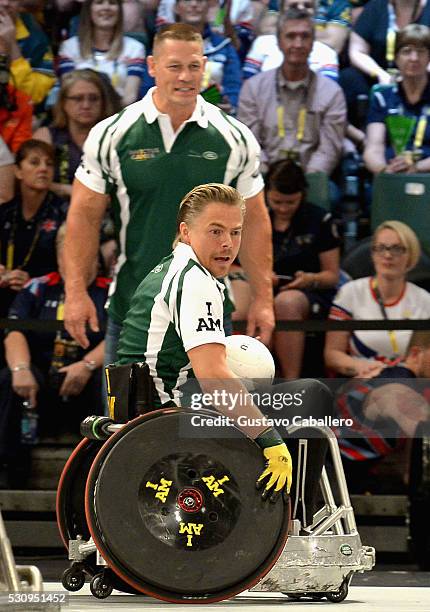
{"points": [[320, 86]]}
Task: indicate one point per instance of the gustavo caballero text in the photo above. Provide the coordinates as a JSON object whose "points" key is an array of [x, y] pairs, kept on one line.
{"points": [[203, 420]]}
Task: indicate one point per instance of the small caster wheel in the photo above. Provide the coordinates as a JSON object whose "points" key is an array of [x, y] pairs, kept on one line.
{"points": [[73, 579], [340, 595], [100, 586]]}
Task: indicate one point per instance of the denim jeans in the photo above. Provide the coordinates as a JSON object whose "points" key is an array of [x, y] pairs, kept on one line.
{"points": [[113, 332]]}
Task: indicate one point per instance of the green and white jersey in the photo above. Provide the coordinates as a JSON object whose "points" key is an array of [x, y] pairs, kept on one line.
{"points": [[147, 169], [177, 307]]}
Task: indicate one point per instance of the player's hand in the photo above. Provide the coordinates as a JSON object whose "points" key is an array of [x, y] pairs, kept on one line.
{"points": [[78, 310], [278, 472], [261, 320]]}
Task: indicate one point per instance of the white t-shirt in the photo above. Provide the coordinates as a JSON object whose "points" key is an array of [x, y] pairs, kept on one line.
{"points": [[129, 63], [357, 300], [241, 12], [6, 157]]}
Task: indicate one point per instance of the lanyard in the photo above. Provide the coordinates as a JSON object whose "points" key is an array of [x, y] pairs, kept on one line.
{"points": [[63, 164], [391, 333], [419, 133], [60, 308], [10, 250], [301, 122], [390, 43]]}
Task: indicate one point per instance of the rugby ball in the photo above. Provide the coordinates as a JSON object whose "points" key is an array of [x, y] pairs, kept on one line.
{"points": [[249, 358]]}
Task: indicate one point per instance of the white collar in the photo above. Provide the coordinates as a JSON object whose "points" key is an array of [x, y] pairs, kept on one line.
{"points": [[185, 251], [152, 113]]}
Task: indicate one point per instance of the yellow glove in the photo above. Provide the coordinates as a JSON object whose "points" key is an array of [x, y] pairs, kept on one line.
{"points": [[279, 467]]}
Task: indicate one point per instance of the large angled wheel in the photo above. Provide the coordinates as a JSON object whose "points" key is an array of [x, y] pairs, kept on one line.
{"points": [[70, 502], [179, 518], [71, 519]]}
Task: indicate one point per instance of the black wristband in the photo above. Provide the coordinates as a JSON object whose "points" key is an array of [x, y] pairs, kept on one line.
{"points": [[268, 438]]}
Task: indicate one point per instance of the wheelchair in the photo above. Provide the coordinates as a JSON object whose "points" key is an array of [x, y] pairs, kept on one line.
{"points": [[147, 507]]}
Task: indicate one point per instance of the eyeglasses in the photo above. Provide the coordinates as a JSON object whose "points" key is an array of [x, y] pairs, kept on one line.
{"points": [[92, 98], [420, 51], [394, 249]]}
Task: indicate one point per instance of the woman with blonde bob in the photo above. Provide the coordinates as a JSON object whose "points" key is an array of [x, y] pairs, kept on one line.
{"points": [[175, 325], [102, 46], [386, 295], [85, 98]]}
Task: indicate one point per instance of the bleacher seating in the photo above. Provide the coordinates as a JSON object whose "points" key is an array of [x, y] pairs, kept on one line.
{"points": [[403, 198]]}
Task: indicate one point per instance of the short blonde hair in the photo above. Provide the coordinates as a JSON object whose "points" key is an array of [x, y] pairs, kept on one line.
{"points": [[407, 236], [196, 200]]}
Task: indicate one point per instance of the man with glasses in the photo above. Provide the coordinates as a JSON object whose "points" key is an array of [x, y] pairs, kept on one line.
{"points": [[292, 111], [402, 106], [146, 159], [265, 53]]}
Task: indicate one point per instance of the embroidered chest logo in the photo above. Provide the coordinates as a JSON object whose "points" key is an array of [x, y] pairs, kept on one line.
{"points": [[144, 154], [209, 155], [208, 323]]}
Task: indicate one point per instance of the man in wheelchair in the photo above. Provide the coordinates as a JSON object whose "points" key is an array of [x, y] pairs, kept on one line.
{"points": [[174, 332]]}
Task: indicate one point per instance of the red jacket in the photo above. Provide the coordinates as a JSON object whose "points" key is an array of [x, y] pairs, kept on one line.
{"points": [[16, 126]]}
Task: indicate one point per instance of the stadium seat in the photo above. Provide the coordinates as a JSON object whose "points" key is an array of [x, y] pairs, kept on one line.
{"points": [[404, 198], [318, 189], [358, 263]]}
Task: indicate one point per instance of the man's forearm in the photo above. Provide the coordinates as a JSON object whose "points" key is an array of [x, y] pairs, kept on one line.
{"points": [[256, 251], [82, 237], [80, 250], [17, 350]]}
